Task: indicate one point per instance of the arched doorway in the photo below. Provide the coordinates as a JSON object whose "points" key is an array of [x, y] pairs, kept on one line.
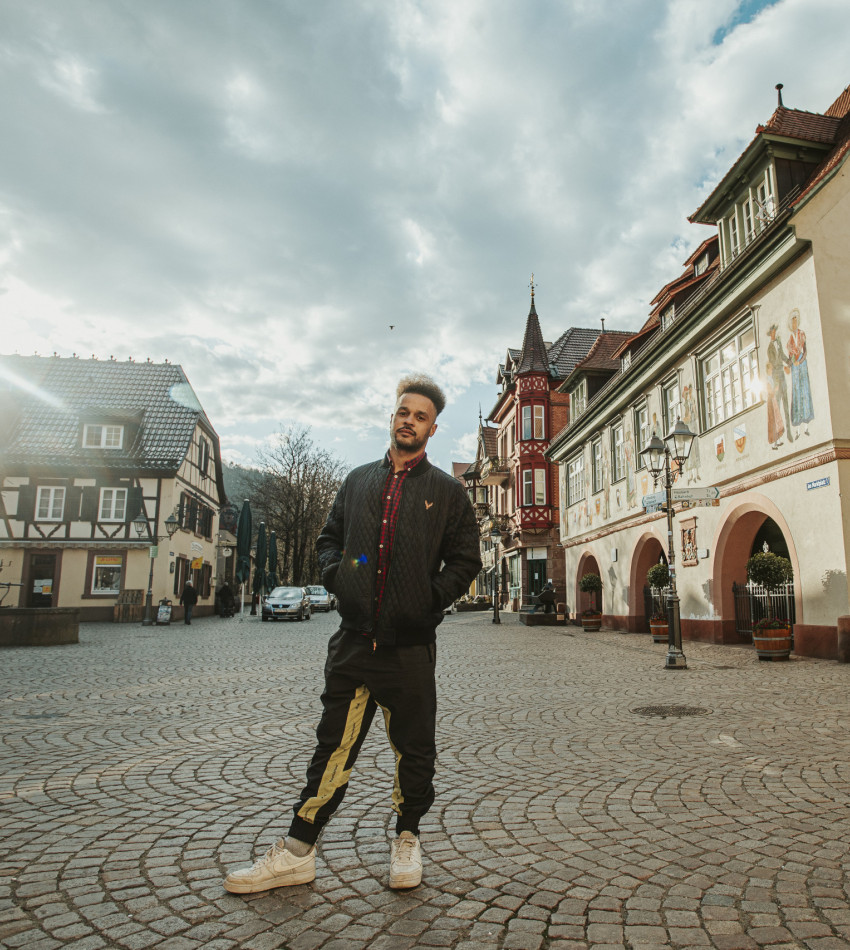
{"points": [[743, 532], [587, 565], [648, 551]]}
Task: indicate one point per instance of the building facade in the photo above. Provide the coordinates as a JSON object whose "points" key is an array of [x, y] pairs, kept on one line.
{"points": [[513, 485], [749, 348], [95, 456]]}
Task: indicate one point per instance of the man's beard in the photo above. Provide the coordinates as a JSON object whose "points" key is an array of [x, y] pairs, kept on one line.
{"points": [[412, 445]]}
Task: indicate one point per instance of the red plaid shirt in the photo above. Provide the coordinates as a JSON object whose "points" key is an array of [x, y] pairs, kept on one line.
{"points": [[391, 498]]}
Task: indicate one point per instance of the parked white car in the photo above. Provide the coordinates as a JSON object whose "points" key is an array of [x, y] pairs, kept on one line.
{"points": [[320, 599]]}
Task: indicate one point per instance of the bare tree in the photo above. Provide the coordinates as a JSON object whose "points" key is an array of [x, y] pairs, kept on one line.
{"points": [[293, 491]]}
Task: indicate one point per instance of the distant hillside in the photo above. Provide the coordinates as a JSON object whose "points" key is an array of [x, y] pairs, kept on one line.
{"points": [[238, 482]]}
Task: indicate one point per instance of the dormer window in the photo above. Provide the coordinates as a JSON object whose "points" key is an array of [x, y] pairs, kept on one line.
{"points": [[578, 399], [103, 437], [701, 265], [668, 315], [625, 360]]}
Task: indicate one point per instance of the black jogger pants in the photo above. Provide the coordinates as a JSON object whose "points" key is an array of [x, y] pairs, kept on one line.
{"points": [[358, 679]]}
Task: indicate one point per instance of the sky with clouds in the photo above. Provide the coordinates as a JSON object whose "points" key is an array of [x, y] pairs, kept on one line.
{"points": [[260, 190]]}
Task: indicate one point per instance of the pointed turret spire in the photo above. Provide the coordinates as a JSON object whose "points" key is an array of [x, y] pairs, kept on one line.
{"points": [[533, 358]]}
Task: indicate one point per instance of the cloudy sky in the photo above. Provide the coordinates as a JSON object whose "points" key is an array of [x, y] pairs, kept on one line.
{"points": [[260, 189]]}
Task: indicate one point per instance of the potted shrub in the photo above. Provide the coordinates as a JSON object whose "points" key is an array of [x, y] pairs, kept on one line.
{"points": [[658, 578], [591, 584], [771, 636]]}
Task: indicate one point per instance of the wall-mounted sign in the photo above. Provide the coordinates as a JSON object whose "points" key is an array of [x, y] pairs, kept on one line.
{"points": [[817, 483], [196, 548]]}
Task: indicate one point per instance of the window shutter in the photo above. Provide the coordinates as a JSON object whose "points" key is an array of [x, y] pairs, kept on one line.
{"points": [[89, 510], [135, 503], [73, 496], [26, 503]]}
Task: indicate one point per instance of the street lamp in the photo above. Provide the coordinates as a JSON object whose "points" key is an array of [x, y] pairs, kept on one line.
{"points": [[496, 537], [140, 523], [676, 446]]}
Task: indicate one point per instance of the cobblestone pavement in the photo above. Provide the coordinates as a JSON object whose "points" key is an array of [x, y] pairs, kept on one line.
{"points": [[138, 766]]}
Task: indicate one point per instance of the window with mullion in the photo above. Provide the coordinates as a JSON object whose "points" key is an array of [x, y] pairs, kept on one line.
{"points": [[618, 456], [113, 504], [730, 379], [596, 464], [575, 480], [50, 505]]}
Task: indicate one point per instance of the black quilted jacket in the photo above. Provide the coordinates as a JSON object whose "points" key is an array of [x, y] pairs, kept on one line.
{"points": [[435, 553]]}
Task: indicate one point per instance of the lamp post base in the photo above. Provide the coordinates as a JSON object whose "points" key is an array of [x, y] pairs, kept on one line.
{"points": [[148, 621], [675, 660]]}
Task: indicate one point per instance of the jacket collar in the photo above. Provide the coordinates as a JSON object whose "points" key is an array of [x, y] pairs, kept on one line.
{"points": [[420, 468]]}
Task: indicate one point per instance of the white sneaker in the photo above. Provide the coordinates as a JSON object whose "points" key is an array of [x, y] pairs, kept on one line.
{"points": [[405, 861], [277, 868]]}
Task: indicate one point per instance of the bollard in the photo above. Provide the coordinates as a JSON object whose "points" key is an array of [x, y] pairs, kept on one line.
{"points": [[844, 639]]}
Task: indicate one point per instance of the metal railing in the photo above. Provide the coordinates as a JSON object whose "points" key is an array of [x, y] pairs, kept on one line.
{"points": [[751, 602]]}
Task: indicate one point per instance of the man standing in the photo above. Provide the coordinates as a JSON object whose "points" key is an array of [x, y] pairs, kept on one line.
{"points": [[399, 545], [188, 598]]}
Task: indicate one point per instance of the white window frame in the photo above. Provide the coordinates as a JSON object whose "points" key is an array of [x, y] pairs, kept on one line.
{"points": [[527, 487], [668, 315], [51, 498], [113, 563], [618, 453], [104, 436], [112, 505], [540, 486], [575, 479], [701, 265], [596, 463], [578, 399], [539, 422], [729, 375], [526, 428], [643, 432], [671, 399]]}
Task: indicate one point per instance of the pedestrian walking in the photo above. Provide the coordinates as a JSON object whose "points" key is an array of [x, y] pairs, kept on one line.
{"points": [[188, 599], [400, 544]]}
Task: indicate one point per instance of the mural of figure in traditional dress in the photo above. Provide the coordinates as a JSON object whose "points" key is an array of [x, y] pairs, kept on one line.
{"points": [[777, 367], [802, 411], [689, 417]]}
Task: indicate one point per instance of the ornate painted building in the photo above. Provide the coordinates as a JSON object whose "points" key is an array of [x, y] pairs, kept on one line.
{"points": [[748, 347]]}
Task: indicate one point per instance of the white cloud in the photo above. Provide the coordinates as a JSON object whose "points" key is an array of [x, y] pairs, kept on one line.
{"points": [[258, 191]]}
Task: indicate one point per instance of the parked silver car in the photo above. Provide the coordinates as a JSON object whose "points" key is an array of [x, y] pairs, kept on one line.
{"points": [[320, 599], [287, 603]]}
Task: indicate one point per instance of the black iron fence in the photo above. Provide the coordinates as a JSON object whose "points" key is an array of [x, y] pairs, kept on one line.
{"points": [[654, 602], [751, 602]]}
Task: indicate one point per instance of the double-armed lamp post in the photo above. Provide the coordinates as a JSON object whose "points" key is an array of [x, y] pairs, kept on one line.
{"points": [[676, 447], [140, 523]]}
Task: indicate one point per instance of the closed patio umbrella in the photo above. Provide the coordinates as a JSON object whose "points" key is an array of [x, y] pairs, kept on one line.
{"points": [[271, 577], [243, 551]]}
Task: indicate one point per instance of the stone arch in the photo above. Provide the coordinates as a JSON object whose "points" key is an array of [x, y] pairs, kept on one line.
{"points": [[587, 565], [648, 549], [733, 542]]}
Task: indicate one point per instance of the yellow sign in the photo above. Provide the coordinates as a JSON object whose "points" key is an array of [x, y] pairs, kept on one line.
{"points": [[197, 564], [101, 560]]}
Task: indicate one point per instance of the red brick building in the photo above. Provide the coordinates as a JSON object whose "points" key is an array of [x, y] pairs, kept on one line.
{"points": [[513, 485]]}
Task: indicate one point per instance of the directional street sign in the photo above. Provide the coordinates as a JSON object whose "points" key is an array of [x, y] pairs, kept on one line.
{"points": [[695, 494], [655, 499]]}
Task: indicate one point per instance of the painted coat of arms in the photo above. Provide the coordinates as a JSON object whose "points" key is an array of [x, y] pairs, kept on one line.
{"points": [[720, 447]]}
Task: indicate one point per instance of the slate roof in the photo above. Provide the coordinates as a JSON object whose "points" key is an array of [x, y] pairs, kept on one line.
{"points": [[570, 348], [533, 358], [45, 401]]}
